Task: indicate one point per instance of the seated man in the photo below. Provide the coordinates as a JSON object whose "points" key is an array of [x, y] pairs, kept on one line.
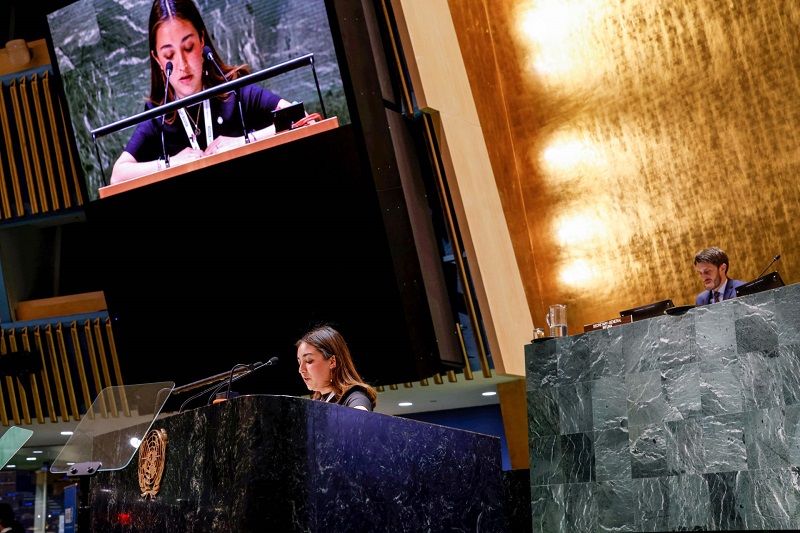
{"points": [[712, 265]]}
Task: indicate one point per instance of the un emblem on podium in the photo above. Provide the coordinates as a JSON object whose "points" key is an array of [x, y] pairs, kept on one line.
{"points": [[152, 455]]}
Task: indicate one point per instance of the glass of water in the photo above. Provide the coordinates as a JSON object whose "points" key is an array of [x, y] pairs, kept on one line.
{"points": [[557, 320]]}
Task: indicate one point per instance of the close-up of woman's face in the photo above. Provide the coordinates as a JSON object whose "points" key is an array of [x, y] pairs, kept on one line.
{"points": [[314, 369], [177, 40]]}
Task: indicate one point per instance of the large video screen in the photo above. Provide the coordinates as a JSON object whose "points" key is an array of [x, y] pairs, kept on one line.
{"points": [[101, 49]]}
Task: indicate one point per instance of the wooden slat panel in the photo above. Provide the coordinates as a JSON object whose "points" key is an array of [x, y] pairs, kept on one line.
{"points": [[87, 329], [12, 396], [69, 383], [117, 371], [76, 347], [48, 391], [37, 402], [3, 350], [23, 144], [12, 164], [75, 175], [467, 369], [23, 396], [33, 148], [43, 136], [56, 370], [62, 173], [101, 355]]}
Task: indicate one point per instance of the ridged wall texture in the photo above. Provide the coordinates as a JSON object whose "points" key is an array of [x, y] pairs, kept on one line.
{"points": [[626, 136]]}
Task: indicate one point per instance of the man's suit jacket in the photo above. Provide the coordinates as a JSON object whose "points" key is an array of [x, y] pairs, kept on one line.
{"points": [[705, 298]]}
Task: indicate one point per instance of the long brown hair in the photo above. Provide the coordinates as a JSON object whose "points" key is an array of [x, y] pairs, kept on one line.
{"points": [[344, 375], [165, 10]]}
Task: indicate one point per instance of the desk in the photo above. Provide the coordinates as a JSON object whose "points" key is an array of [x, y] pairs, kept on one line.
{"points": [[256, 146], [675, 423]]}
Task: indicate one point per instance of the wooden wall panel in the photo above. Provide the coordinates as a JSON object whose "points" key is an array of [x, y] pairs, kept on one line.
{"points": [[625, 136]]}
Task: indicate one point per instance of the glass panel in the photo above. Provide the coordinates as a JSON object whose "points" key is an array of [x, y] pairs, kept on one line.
{"points": [[112, 429], [11, 442]]}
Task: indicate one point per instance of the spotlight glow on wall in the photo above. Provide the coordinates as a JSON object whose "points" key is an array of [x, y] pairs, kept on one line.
{"points": [[549, 21], [567, 151], [579, 228], [577, 273], [548, 28]]}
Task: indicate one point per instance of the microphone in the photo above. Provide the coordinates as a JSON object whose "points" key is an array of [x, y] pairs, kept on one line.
{"points": [[215, 388], [208, 55], [251, 368], [769, 265], [168, 72]]}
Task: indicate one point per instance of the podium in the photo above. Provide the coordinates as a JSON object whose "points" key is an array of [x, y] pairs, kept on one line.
{"points": [[687, 422], [261, 463]]}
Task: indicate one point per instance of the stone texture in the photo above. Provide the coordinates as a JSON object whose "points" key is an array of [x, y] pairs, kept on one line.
{"points": [[279, 463], [695, 422]]}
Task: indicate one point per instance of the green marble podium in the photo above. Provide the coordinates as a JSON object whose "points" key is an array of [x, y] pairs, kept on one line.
{"points": [[675, 423]]}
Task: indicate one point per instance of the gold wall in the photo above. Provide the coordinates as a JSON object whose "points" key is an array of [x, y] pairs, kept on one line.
{"points": [[625, 136]]}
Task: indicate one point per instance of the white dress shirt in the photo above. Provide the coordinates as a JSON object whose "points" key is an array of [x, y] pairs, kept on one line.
{"points": [[720, 290]]}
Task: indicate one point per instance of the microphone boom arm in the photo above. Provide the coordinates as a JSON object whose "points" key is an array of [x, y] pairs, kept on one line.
{"points": [[196, 98], [208, 55], [209, 380], [769, 265]]}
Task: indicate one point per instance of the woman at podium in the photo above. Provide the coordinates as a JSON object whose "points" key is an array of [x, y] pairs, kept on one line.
{"points": [[328, 371], [184, 61]]}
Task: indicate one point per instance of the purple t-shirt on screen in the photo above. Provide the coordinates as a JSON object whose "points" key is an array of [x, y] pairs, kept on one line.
{"points": [[257, 106]]}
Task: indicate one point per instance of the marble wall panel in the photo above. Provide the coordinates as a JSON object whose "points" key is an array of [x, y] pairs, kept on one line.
{"points": [[612, 455], [701, 431], [609, 403]]}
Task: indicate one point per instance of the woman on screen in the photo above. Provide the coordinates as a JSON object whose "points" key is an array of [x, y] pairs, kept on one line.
{"points": [[328, 370], [178, 37]]}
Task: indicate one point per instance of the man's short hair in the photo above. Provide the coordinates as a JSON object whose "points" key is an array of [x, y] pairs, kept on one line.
{"points": [[712, 255]]}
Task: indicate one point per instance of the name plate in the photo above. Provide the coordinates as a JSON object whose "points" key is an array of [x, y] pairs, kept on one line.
{"points": [[608, 323]]}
